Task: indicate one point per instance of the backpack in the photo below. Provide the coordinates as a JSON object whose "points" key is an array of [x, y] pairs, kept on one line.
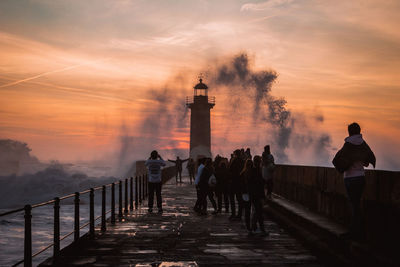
{"points": [[342, 160], [212, 181]]}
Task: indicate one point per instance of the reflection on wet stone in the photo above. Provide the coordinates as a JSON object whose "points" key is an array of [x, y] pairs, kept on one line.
{"points": [[180, 238]]}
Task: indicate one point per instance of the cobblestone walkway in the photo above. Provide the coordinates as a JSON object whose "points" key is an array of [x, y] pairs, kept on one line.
{"points": [[179, 237]]}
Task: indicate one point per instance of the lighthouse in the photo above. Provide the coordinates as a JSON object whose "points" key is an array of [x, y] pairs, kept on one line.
{"points": [[200, 129]]}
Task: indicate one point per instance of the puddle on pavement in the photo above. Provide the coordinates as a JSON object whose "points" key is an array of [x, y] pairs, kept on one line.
{"points": [[141, 251], [84, 261], [300, 257], [220, 245], [169, 264], [224, 234], [230, 252]]}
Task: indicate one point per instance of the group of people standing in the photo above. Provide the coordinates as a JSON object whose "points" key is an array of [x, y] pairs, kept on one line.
{"points": [[239, 183]]}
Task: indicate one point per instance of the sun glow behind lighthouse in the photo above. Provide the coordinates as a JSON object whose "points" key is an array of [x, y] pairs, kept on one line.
{"points": [[83, 112]]}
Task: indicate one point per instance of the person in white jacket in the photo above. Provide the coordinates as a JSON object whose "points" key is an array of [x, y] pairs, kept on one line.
{"points": [[154, 165]]}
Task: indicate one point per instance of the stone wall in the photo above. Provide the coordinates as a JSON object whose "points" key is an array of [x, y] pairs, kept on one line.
{"points": [[322, 190]]}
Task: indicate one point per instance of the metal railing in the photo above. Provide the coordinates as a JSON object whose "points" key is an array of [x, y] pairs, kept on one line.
{"points": [[209, 99], [141, 192]]}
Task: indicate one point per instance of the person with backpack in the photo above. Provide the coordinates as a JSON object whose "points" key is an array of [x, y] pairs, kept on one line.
{"points": [[351, 160]]}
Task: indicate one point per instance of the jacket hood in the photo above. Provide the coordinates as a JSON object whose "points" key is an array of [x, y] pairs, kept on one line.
{"points": [[354, 139]]}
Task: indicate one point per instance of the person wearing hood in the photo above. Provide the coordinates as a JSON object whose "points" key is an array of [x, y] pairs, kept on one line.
{"points": [[351, 160]]}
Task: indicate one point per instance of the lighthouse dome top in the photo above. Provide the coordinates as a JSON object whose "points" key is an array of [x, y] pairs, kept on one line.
{"points": [[201, 85]]}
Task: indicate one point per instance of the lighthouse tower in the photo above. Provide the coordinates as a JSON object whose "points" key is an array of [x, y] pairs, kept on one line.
{"points": [[200, 128]]}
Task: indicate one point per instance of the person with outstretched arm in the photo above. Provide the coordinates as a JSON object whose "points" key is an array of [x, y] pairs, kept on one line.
{"points": [[178, 165], [154, 165]]}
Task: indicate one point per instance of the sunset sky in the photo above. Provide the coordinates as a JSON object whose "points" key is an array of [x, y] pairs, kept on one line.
{"points": [[77, 77]]}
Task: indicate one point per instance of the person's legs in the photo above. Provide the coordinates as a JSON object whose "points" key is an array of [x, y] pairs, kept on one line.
{"points": [[198, 200], [218, 193], [258, 214], [240, 204], [232, 200], [355, 188], [246, 205], [151, 196], [203, 201], [159, 198], [180, 176], [212, 200], [226, 200], [270, 185]]}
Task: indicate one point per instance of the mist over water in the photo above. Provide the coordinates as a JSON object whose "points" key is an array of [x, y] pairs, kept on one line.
{"points": [[245, 103], [53, 181], [163, 126], [267, 117]]}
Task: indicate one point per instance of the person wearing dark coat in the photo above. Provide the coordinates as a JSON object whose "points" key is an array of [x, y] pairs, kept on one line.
{"points": [[204, 188], [257, 195], [191, 169], [235, 167], [221, 190], [245, 178], [351, 160]]}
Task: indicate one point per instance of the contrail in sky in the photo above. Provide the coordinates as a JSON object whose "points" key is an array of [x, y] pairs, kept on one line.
{"points": [[48, 72]]}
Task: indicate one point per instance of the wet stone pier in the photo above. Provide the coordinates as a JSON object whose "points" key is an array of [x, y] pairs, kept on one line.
{"points": [[180, 237]]}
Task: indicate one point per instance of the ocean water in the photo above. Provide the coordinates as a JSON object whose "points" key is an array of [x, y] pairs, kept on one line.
{"points": [[12, 228]]}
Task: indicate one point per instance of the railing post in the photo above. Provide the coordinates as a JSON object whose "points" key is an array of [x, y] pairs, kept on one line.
{"points": [[147, 185], [140, 189], [76, 221], [131, 194], [136, 192], [91, 212], [103, 209], [56, 234], [113, 203], [144, 187], [120, 202], [126, 196], [28, 236]]}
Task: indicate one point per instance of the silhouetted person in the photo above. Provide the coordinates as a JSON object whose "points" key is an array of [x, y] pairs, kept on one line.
{"points": [[245, 177], [200, 163], [154, 164], [351, 159], [178, 165], [222, 190], [235, 167], [205, 189], [248, 153], [191, 168], [257, 195], [268, 166]]}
